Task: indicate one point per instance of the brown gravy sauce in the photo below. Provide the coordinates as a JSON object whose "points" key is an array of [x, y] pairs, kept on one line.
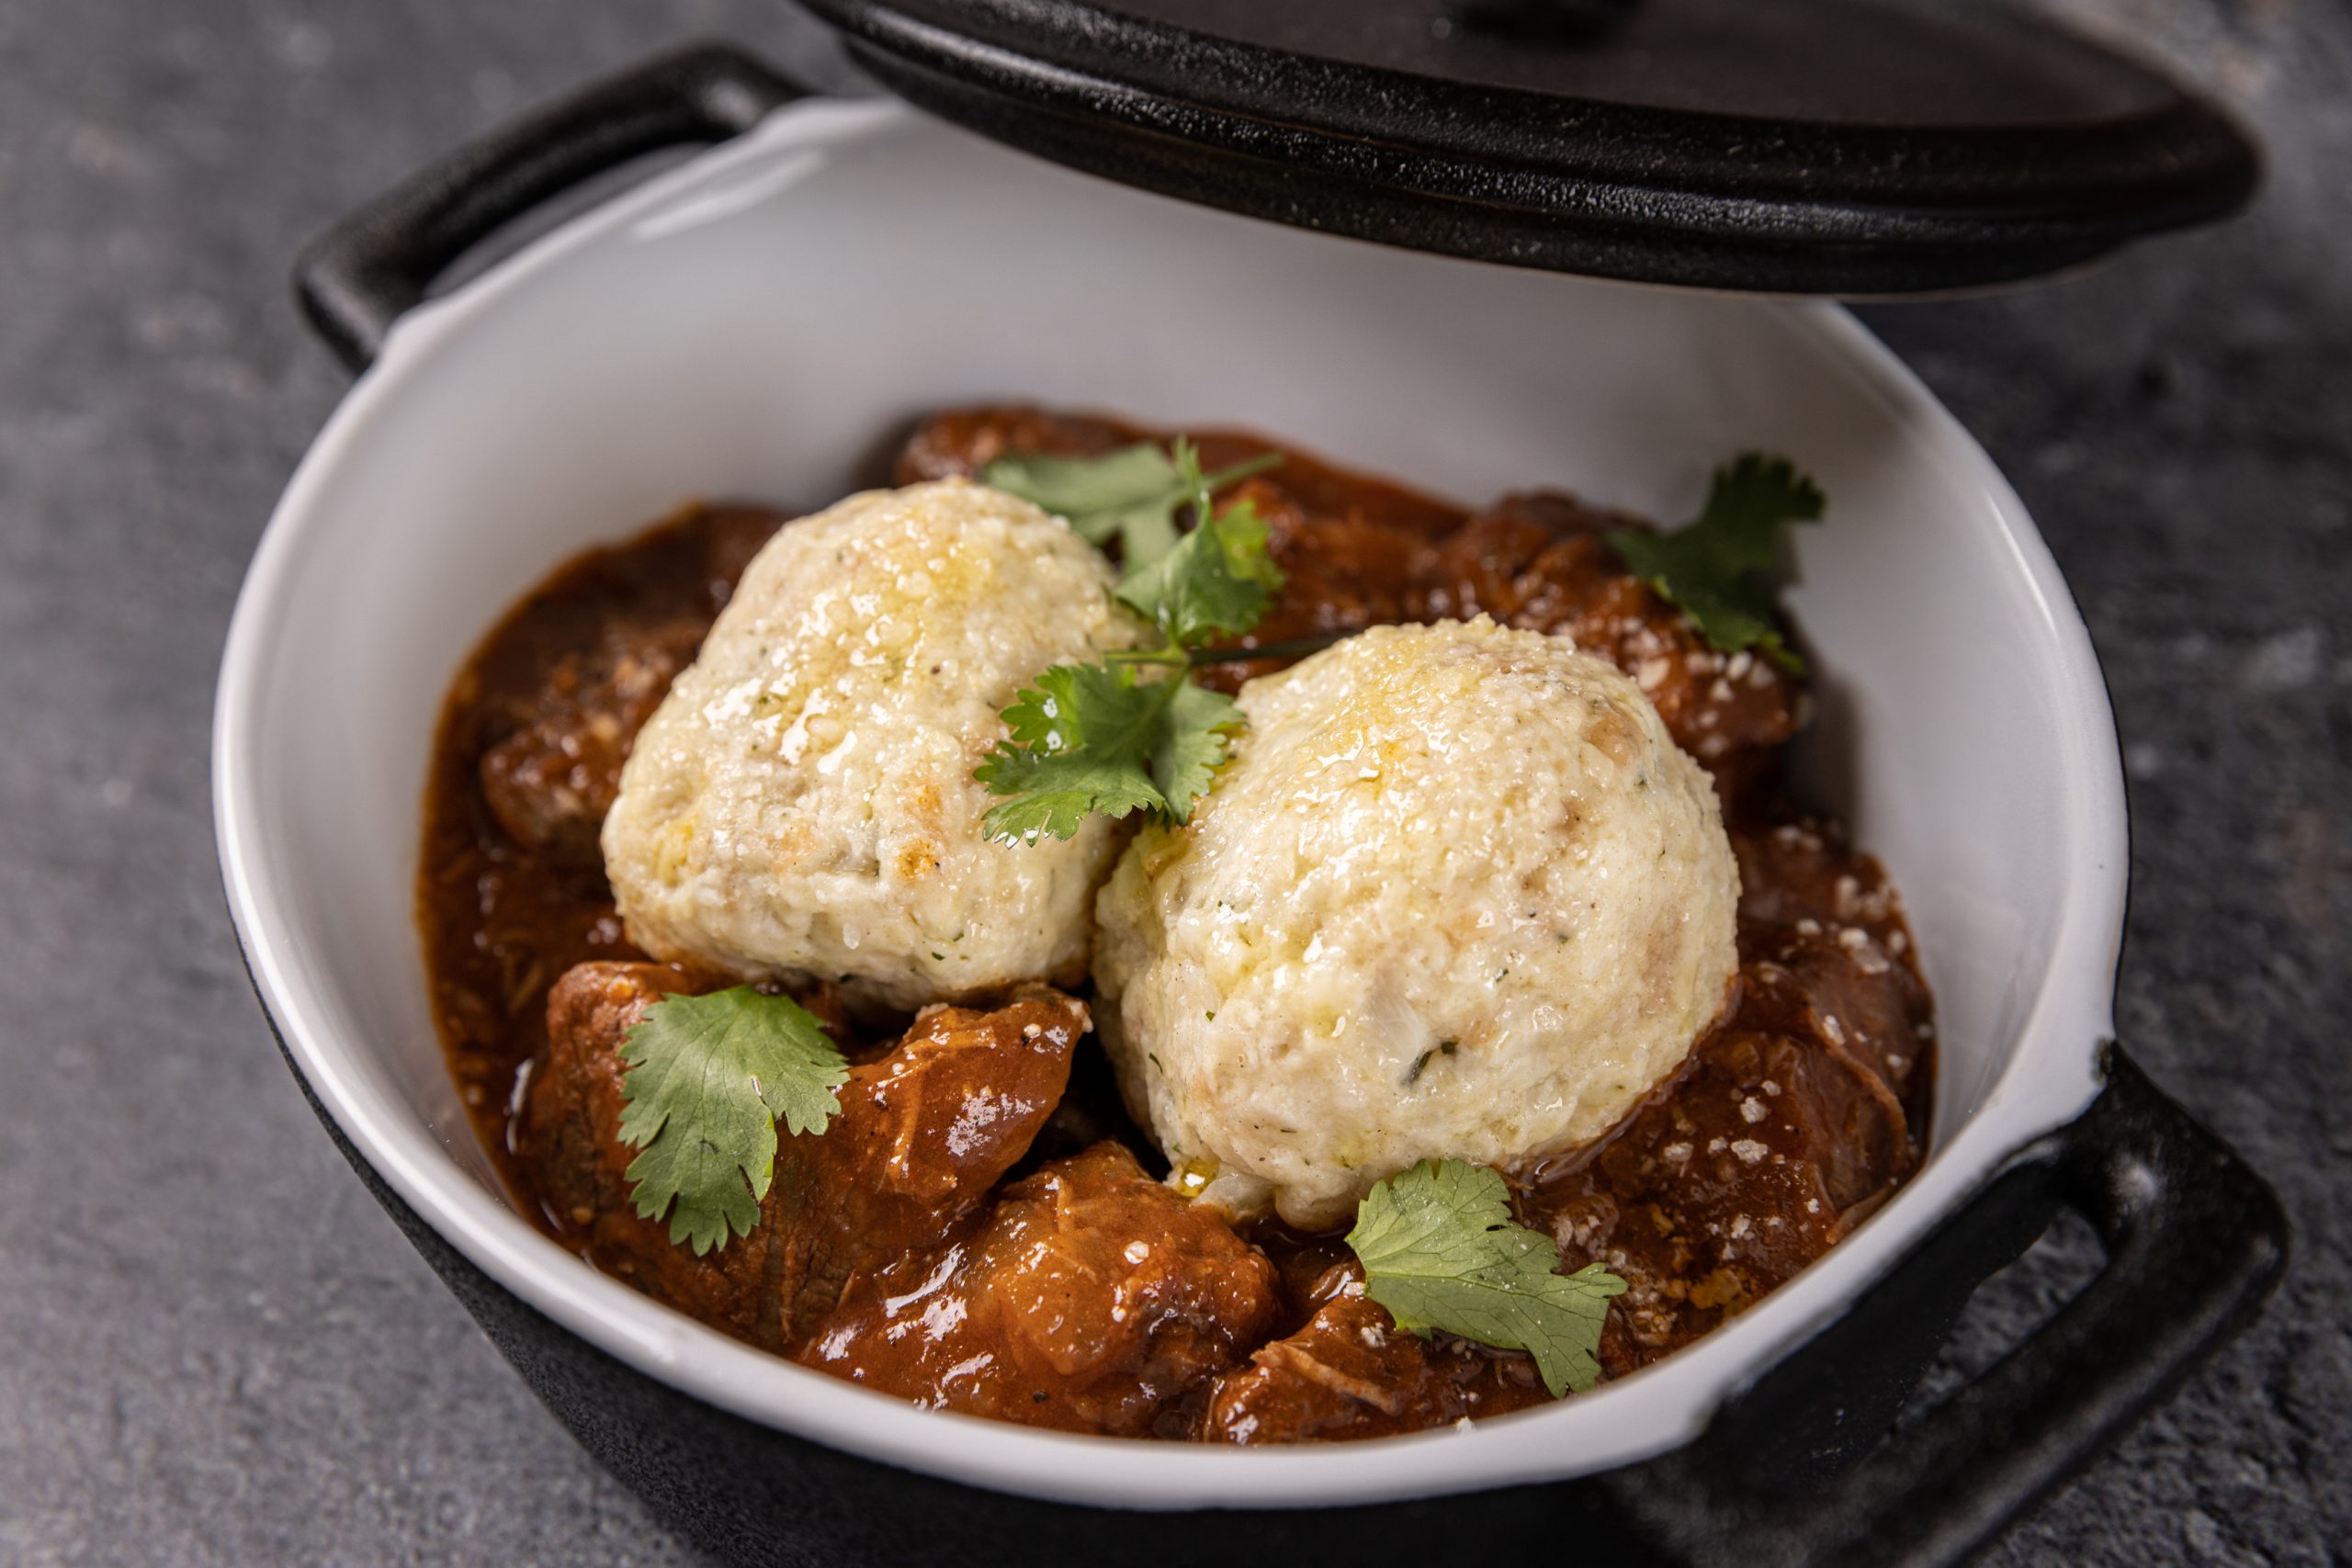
{"points": [[1797, 1113]]}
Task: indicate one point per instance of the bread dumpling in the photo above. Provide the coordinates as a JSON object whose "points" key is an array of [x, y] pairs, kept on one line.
{"points": [[803, 801], [1457, 895]]}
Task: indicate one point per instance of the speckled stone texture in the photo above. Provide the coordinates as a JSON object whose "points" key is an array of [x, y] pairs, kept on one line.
{"points": [[213, 1346]]}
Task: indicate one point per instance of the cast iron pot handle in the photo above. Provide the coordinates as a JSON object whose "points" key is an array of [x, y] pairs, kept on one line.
{"points": [[2195, 1243], [355, 279]]}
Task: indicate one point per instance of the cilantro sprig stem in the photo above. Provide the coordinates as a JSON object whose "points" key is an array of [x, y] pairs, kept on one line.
{"points": [[1206, 485], [1231, 653], [1291, 648]]}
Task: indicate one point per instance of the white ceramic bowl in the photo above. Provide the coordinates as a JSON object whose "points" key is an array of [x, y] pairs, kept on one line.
{"points": [[755, 322]]}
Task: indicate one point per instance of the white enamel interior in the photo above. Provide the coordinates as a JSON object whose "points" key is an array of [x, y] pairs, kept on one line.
{"points": [[755, 324]]}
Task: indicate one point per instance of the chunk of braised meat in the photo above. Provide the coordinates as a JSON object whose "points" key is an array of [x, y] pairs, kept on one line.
{"points": [[1090, 1299], [1307, 1265], [960, 443], [550, 782], [567, 1138], [1352, 1372], [1717, 1193], [1837, 999], [925, 1132], [1803, 870], [1830, 957], [1542, 561], [551, 776], [1496, 562]]}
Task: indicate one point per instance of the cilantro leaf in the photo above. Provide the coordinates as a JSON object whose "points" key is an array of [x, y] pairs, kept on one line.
{"points": [[1717, 568], [1131, 495], [708, 1078], [1091, 738], [1219, 577], [1191, 744], [1440, 1250]]}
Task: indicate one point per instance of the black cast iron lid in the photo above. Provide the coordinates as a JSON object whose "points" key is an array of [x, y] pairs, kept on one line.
{"points": [[1814, 146]]}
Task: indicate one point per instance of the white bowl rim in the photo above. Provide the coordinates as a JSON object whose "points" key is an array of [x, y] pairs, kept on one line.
{"points": [[2051, 1075]]}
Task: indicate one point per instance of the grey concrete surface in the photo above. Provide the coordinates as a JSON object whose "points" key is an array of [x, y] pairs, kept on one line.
{"points": [[214, 1349]]}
